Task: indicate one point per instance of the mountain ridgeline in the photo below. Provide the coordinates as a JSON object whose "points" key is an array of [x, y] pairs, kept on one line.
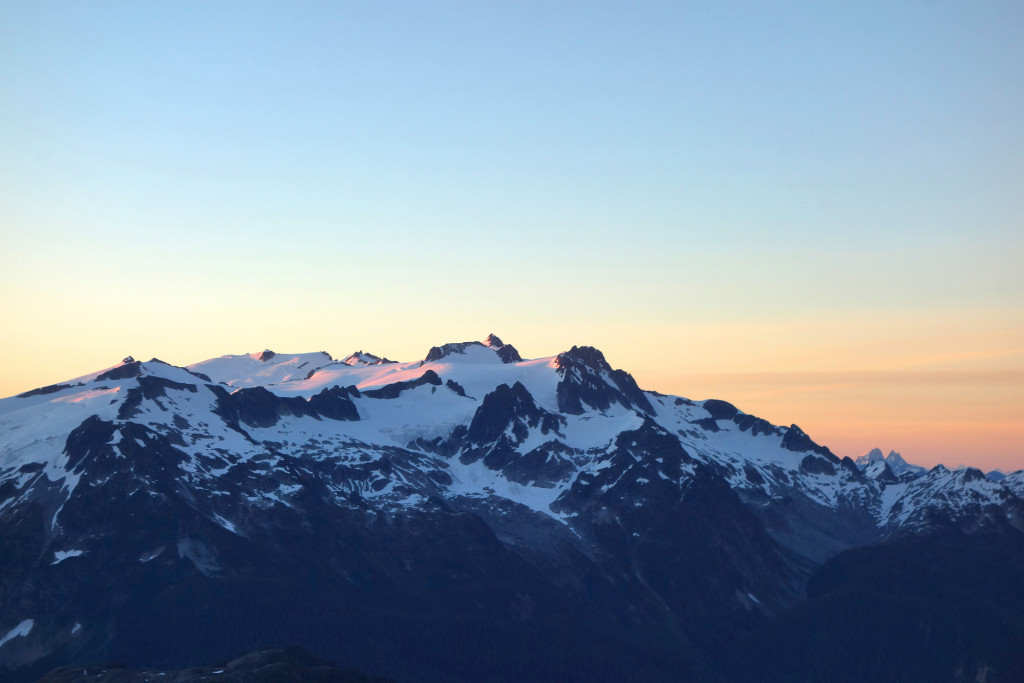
{"points": [[476, 516]]}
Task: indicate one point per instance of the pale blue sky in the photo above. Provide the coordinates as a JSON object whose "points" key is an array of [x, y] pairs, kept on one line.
{"points": [[242, 175]]}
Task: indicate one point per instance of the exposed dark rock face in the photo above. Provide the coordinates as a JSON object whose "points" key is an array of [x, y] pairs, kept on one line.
{"points": [[395, 390], [500, 424], [583, 356], [720, 410], [509, 406], [814, 464], [334, 403], [266, 355], [585, 382], [508, 354], [88, 441], [456, 387], [51, 389], [644, 457], [257, 407], [708, 423], [796, 440], [149, 388], [756, 425], [630, 391], [125, 371], [887, 476], [973, 474], [850, 466], [439, 352]]}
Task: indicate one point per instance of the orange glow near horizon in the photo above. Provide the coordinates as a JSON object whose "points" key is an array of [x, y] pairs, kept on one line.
{"points": [[930, 421], [937, 387]]}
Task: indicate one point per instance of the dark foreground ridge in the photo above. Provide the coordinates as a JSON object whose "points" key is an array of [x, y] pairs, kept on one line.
{"points": [[291, 665]]}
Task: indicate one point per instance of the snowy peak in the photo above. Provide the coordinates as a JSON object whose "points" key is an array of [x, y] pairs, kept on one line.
{"points": [[899, 466], [361, 358], [126, 370], [261, 369], [874, 465], [506, 353], [874, 455]]}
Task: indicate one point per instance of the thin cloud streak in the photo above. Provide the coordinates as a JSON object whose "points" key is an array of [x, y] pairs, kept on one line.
{"points": [[816, 381]]}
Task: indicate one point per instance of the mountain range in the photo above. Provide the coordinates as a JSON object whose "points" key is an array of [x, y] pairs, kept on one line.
{"points": [[476, 516]]}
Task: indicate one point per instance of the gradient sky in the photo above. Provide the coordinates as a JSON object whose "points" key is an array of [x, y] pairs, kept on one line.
{"points": [[813, 210]]}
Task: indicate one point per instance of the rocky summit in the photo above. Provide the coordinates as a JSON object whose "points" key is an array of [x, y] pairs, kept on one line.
{"points": [[475, 516]]}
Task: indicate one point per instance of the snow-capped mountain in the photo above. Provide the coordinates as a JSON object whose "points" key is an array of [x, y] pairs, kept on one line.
{"points": [[149, 510], [875, 465]]}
